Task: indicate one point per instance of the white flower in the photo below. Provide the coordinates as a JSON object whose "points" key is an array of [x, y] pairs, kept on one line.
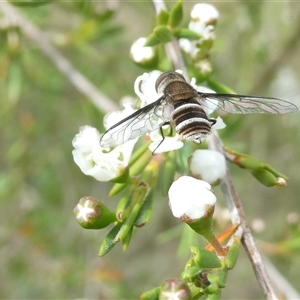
{"points": [[193, 48], [205, 13], [204, 17], [113, 117], [190, 197], [114, 137], [95, 161], [204, 66], [144, 87], [208, 165], [140, 53]]}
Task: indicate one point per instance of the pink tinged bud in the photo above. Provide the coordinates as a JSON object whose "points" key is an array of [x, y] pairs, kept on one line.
{"points": [[191, 199], [174, 289], [208, 165]]}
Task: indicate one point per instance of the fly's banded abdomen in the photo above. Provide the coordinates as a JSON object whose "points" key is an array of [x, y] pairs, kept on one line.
{"points": [[190, 120]]}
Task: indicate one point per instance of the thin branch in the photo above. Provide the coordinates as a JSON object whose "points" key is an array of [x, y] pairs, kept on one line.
{"points": [[249, 244], [81, 83], [228, 188]]}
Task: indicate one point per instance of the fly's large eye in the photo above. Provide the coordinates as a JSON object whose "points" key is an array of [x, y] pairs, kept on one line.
{"points": [[161, 78]]}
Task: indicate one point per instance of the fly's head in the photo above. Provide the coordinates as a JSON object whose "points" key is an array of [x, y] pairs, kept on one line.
{"points": [[165, 79]]}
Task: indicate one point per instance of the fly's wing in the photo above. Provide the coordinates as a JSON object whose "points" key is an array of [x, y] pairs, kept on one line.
{"points": [[144, 120], [242, 104]]}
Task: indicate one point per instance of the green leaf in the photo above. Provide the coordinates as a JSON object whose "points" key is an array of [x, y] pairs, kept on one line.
{"points": [[123, 177], [110, 240], [261, 171], [162, 18], [152, 294], [204, 258], [122, 205], [218, 277], [187, 33], [29, 3], [176, 15], [127, 239], [190, 273], [265, 177], [138, 153], [139, 165], [117, 188], [151, 40], [146, 211], [233, 253], [163, 33], [137, 198]]}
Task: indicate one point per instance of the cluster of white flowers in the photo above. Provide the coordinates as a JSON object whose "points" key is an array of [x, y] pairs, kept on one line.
{"points": [[188, 196], [203, 19], [105, 165]]}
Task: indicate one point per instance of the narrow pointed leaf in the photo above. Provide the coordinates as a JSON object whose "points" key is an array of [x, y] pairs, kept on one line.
{"points": [[110, 240]]}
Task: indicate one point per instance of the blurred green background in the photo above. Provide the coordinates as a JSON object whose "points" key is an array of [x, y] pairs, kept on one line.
{"points": [[44, 253]]}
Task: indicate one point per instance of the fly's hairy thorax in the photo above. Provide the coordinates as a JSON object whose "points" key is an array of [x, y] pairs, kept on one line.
{"points": [[180, 91]]}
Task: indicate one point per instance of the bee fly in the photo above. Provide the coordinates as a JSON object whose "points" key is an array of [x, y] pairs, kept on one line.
{"points": [[183, 107]]}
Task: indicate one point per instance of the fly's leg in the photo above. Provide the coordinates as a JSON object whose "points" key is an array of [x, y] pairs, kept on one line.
{"points": [[212, 121], [163, 136]]}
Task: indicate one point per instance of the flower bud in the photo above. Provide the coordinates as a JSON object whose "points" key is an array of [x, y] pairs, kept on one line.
{"points": [[208, 165], [176, 15], [191, 199], [142, 55], [174, 289], [92, 214]]}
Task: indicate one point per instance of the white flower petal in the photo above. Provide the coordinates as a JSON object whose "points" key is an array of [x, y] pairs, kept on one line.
{"points": [[168, 144], [144, 87], [94, 161], [84, 211], [190, 197], [204, 12], [219, 124], [112, 118]]}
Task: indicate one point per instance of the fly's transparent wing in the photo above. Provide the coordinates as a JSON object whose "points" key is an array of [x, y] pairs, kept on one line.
{"points": [[144, 120], [242, 104]]}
